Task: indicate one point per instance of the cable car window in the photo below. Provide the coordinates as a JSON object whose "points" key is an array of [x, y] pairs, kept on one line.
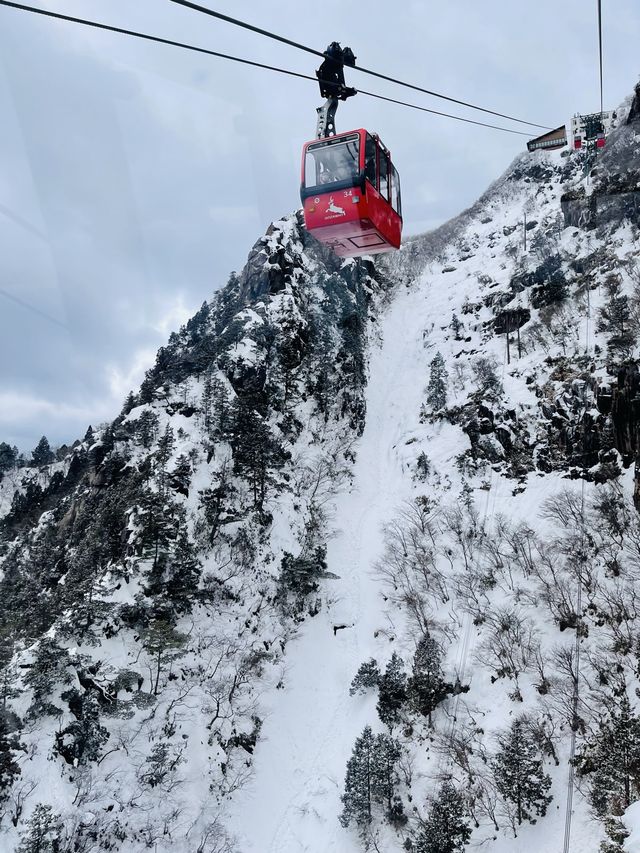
{"points": [[328, 162], [370, 160], [384, 175], [395, 190]]}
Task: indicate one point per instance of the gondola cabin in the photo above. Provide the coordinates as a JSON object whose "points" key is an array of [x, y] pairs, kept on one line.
{"points": [[350, 193]]}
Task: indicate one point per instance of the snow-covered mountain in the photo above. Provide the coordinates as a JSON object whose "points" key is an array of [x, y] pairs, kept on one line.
{"points": [[417, 473]]}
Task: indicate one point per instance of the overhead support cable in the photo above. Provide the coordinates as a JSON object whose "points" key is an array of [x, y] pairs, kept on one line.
{"points": [[203, 50], [268, 34], [600, 50]]}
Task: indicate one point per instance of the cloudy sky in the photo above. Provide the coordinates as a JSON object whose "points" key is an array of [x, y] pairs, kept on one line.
{"points": [[134, 177]]}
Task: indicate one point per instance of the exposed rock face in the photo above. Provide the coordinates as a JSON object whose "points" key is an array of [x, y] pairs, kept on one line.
{"points": [[634, 112], [622, 401]]}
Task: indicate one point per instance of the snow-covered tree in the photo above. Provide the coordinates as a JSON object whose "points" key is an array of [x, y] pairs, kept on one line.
{"points": [[163, 644], [358, 784], [437, 387], [519, 775], [427, 687], [386, 755], [8, 458], [611, 760], [371, 779], [616, 320], [445, 830], [392, 694], [423, 467], [9, 747], [49, 669], [485, 373], [367, 676], [44, 832], [82, 740], [147, 428], [42, 453], [457, 326]]}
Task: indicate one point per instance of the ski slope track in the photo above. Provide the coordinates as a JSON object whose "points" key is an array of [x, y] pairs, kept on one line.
{"points": [[294, 800]]}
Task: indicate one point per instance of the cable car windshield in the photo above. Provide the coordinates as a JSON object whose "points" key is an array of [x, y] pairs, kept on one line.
{"points": [[327, 162]]}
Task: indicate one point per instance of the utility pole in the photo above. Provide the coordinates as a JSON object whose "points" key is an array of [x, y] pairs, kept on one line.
{"points": [[508, 317], [524, 230]]}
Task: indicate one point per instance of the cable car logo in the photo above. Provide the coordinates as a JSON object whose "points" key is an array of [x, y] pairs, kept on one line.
{"points": [[333, 208]]}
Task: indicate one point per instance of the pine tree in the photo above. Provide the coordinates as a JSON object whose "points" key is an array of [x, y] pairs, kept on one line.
{"points": [[206, 403], [130, 403], [445, 829], [255, 452], [617, 833], [367, 676], [49, 669], [484, 370], [83, 582], [615, 319], [386, 754], [163, 644], [82, 740], [44, 832], [182, 575], [358, 784], [612, 760], [423, 467], [427, 687], [180, 476], [147, 428], [392, 694], [42, 453], [221, 420], [457, 326], [157, 520], [9, 745], [8, 670], [519, 773], [300, 575], [437, 388], [217, 502], [166, 443], [8, 458]]}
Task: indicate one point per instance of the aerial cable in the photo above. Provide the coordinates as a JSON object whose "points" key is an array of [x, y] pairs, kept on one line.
{"points": [[600, 49], [236, 22], [575, 700], [194, 48]]}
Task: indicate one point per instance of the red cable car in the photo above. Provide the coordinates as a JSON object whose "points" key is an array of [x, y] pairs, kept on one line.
{"points": [[350, 189], [350, 193]]}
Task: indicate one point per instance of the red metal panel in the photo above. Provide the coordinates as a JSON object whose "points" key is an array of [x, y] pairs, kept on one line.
{"points": [[353, 224]]}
